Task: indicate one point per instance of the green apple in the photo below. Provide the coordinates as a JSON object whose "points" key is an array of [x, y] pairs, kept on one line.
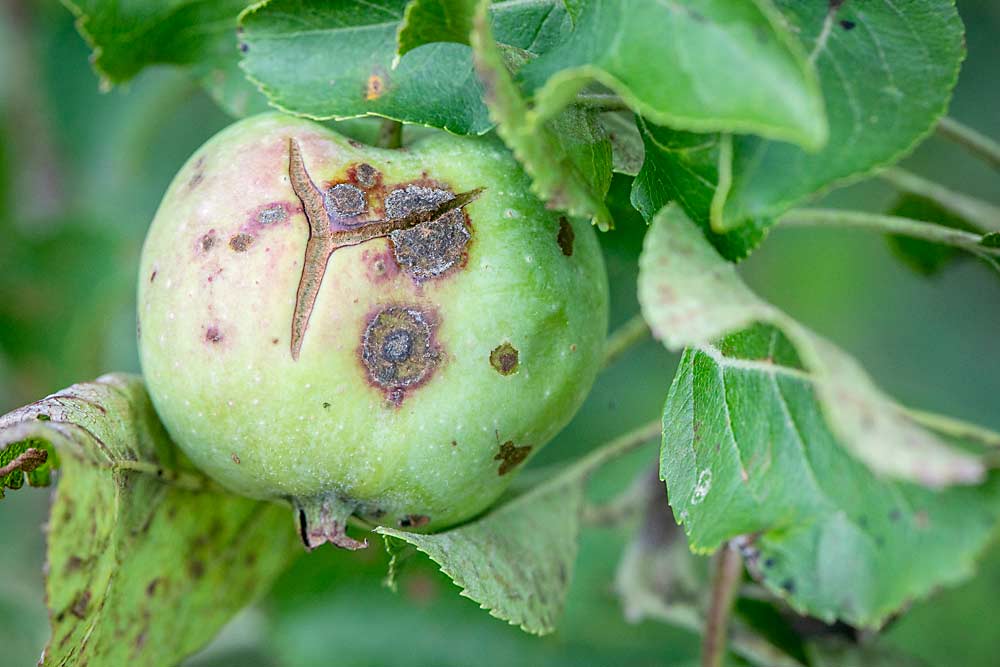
{"points": [[359, 331]]}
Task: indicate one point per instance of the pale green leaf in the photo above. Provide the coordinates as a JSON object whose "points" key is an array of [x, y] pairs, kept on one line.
{"points": [[627, 152], [691, 297], [568, 156], [699, 65], [427, 21], [517, 560], [146, 559]]}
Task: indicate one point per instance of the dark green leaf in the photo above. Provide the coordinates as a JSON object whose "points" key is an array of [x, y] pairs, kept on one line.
{"points": [[700, 66], [127, 37], [685, 167], [568, 157], [146, 559], [335, 60], [887, 70], [840, 653], [991, 240]]}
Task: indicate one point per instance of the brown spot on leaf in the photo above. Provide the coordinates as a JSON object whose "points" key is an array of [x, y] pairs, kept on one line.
{"points": [[414, 521], [241, 242], [375, 87], [565, 237], [504, 358], [510, 456]]}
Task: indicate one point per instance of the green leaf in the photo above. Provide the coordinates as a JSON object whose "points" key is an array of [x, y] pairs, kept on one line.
{"points": [[336, 60], [201, 36], [887, 70], [691, 297], [767, 432], [568, 157], [517, 560], [685, 167], [718, 66], [427, 21], [925, 257], [991, 240], [146, 559], [840, 653], [627, 151]]}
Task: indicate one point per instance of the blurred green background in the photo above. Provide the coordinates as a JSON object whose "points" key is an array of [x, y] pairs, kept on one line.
{"points": [[81, 174]]}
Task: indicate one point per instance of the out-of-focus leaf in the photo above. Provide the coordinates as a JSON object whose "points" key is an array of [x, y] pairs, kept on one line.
{"points": [[627, 152], [335, 60], [146, 559], [718, 66], [685, 167], [838, 653], [568, 157], [691, 297]]}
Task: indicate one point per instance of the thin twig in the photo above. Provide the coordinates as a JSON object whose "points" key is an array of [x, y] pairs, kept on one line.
{"points": [[890, 224], [390, 134], [978, 144], [25, 462], [617, 447], [982, 214], [725, 581], [624, 338]]}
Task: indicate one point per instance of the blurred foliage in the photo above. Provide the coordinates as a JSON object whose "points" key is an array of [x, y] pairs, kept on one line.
{"points": [[81, 174]]}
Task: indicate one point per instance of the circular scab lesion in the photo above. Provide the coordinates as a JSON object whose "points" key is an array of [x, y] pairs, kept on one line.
{"points": [[397, 348], [504, 359], [344, 200], [430, 249]]}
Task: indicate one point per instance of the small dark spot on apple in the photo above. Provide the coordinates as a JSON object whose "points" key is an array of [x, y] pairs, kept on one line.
{"points": [[207, 241], [274, 341], [565, 237], [244, 47], [241, 242], [152, 586], [152, 276], [454, 443], [272, 214], [789, 586], [504, 358], [325, 405], [510, 456], [366, 175], [213, 335], [236, 458], [847, 25], [414, 521]]}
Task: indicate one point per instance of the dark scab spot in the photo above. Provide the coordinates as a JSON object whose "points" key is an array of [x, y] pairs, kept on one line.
{"points": [[375, 87], [244, 47], [274, 341], [325, 405], [344, 201], [152, 276], [366, 175], [236, 458], [398, 350], [847, 25], [895, 515], [403, 201], [432, 248], [789, 586], [510, 456], [213, 335], [272, 214], [565, 237], [241, 242], [414, 521], [151, 588], [504, 359], [207, 241], [769, 563]]}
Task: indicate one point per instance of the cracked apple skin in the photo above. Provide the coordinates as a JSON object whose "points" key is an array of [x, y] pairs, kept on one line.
{"points": [[432, 365]]}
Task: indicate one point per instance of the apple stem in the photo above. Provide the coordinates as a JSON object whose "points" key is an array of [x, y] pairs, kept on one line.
{"points": [[323, 240], [323, 519]]}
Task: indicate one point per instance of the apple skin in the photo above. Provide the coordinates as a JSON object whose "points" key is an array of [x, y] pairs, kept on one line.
{"points": [[218, 281]]}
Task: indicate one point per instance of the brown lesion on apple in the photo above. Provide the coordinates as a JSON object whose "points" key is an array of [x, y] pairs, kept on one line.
{"points": [[329, 231], [510, 456], [504, 359], [565, 236], [398, 350]]}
